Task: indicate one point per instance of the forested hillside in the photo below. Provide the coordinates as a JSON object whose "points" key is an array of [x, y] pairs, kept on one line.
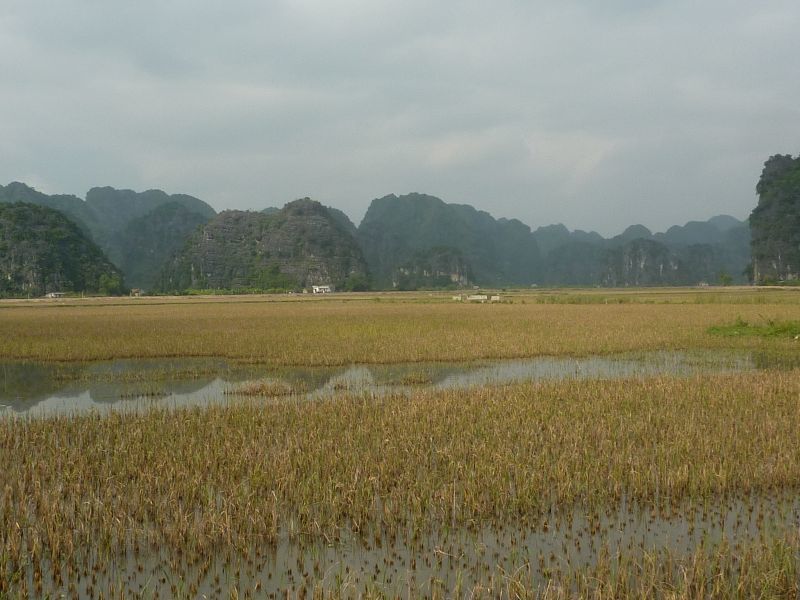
{"points": [[396, 229], [401, 237], [42, 251], [126, 225], [302, 245], [775, 221]]}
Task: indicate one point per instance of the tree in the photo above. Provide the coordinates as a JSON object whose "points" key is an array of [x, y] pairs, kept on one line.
{"points": [[110, 285]]}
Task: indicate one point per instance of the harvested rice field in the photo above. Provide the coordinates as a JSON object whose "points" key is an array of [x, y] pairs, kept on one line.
{"points": [[558, 444]]}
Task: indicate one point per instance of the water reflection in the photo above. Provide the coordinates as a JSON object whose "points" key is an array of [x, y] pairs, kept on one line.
{"points": [[48, 389]]}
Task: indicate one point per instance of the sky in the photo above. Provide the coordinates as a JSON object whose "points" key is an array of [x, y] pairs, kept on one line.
{"points": [[592, 114]]}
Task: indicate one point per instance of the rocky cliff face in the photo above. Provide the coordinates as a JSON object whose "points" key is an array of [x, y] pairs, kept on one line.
{"points": [[640, 262], [42, 251], [775, 222], [439, 267], [299, 246]]}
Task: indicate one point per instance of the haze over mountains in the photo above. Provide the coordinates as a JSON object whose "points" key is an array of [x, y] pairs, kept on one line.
{"points": [[173, 243]]}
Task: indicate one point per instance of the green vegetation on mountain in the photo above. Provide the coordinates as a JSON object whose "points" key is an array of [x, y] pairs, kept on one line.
{"points": [[42, 251], [632, 233], [126, 224], [147, 242], [115, 209], [396, 228], [713, 251], [303, 244], [549, 237], [397, 232], [775, 221], [72, 206], [418, 241]]}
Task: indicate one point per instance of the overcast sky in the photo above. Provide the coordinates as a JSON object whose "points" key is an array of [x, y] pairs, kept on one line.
{"points": [[594, 114]]}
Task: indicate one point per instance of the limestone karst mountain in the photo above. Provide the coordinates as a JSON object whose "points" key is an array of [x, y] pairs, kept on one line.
{"points": [[775, 221], [42, 252], [302, 245]]}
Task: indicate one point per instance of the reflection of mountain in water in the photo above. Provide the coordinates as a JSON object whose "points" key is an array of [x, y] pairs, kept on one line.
{"points": [[29, 383], [23, 386], [141, 384], [111, 393]]}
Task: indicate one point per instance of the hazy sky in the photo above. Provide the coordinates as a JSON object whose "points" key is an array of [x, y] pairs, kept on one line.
{"points": [[594, 114]]}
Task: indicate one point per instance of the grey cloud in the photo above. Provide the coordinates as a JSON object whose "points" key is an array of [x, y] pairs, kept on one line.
{"points": [[597, 115]]}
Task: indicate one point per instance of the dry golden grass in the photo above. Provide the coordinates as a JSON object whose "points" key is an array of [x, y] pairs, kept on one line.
{"points": [[396, 328]]}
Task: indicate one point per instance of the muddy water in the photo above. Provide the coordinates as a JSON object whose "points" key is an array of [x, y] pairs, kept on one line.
{"points": [[40, 389], [417, 565]]}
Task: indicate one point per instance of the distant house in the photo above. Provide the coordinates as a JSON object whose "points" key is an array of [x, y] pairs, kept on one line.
{"points": [[321, 289], [55, 295], [478, 298]]}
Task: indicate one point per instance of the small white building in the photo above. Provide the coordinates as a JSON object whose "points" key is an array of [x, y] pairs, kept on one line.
{"points": [[478, 298], [321, 289], [55, 295]]}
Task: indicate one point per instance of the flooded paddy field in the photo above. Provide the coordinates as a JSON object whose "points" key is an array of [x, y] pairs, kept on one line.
{"points": [[41, 389], [549, 487], [557, 552], [390, 449]]}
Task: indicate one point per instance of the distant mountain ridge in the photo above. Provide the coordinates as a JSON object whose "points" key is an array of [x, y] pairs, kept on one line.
{"points": [[115, 209], [125, 224], [410, 241], [397, 230]]}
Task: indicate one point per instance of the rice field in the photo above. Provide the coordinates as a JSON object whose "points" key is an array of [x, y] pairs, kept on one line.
{"points": [[385, 329], [650, 486]]}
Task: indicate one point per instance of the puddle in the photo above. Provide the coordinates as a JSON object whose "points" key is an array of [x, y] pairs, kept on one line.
{"points": [[41, 389], [412, 564]]}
